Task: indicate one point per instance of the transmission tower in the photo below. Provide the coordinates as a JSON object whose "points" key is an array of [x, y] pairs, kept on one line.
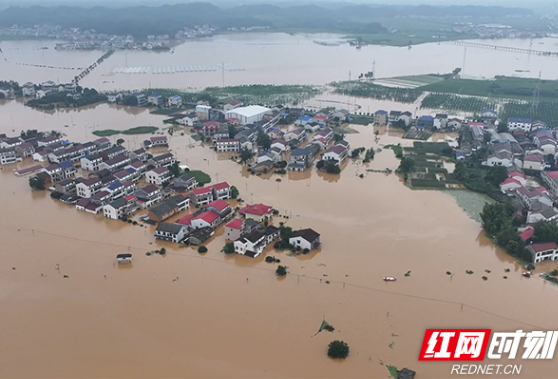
{"points": [[464, 59], [374, 69], [536, 96]]}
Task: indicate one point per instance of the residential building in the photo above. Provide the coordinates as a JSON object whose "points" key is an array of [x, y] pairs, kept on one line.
{"points": [[9, 142], [300, 159], [88, 187], [163, 160], [302, 121], [48, 140], [184, 182], [55, 171], [305, 239], [67, 186], [394, 116], [148, 195], [280, 144], [533, 162], [113, 152], [126, 174], [440, 121], [159, 141], [547, 251], [257, 212], [88, 206], [25, 150], [519, 123], [541, 212], [500, 158], [201, 196], [163, 211], [115, 163], [232, 105], [221, 191], [186, 220], [337, 152], [198, 236], [227, 144], [116, 209], [530, 196], [8, 156], [220, 207], [28, 89], [340, 114], [297, 134], [210, 127], [91, 162], [68, 169], [113, 97], [272, 234], [102, 144], [102, 197], [380, 117], [175, 101], [510, 185], [252, 245], [454, 124], [202, 112], [326, 133], [206, 219], [489, 114], [249, 114], [221, 133], [170, 232], [141, 98], [551, 180], [233, 230], [406, 117], [189, 120], [158, 175], [424, 122], [139, 166]]}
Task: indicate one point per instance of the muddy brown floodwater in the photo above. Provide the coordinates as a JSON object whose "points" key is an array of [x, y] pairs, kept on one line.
{"points": [[104, 321]]}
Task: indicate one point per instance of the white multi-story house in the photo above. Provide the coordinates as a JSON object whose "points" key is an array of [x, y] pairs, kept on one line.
{"points": [[91, 162], [519, 123], [551, 180], [227, 144], [175, 101], [170, 232], [88, 187], [115, 163], [221, 191], [252, 245], [305, 239], [158, 175], [116, 209], [547, 251], [206, 219], [148, 195]]}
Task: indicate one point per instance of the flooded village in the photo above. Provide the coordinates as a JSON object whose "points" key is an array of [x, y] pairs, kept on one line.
{"points": [[214, 198]]}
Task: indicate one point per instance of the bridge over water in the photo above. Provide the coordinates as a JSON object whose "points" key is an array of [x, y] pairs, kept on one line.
{"points": [[504, 48]]}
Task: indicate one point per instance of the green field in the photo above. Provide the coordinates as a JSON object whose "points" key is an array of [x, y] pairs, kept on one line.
{"points": [[374, 91], [167, 111], [449, 102], [201, 177], [136, 130]]}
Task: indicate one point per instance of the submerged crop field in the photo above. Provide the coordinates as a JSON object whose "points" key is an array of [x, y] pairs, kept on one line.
{"points": [[374, 91], [470, 104]]}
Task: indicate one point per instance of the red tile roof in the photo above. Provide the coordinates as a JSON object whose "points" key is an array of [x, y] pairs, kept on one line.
{"points": [[235, 102], [187, 220], [201, 191], [130, 198], [534, 158], [527, 234], [320, 117], [219, 204], [211, 124], [515, 173], [552, 174], [320, 139], [208, 217], [338, 149], [235, 224], [257, 210], [221, 186], [538, 247]]}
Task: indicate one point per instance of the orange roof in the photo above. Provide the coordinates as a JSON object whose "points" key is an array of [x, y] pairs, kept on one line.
{"points": [[257, 210], [219, 204], [187, 220], [201, 191], [208, 217], [221, 186]]}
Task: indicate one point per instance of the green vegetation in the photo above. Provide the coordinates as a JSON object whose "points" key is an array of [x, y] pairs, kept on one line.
{"points": [[201, 177], [469, 272], [202, 249], [228, 248], [63, 99], [483, 180], [397, 149], [246, 155], [281, 271], [56, 195], [456, 103], [547, 111], [356, 152], [370, 153], [131, 131], [37, 183], [393, 371], [338, 349], [374, 91], [234, 192], [498, 223], [270, 259], [362, 119]]}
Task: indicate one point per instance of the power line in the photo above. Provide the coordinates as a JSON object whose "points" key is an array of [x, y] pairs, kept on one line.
{"points": [[345, 284]]}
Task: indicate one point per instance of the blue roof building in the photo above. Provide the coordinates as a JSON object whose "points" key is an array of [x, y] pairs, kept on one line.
{"points": [[520, 120], [66, 164], [114, 186]]}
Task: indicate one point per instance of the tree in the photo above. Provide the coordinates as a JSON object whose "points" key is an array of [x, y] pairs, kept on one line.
{"points": [[119, 141], [503, 127], [202, 249], [130, 100], [175, 169], [228, 248], [281, 271], [56, 195], [234, 192], [376, 132], [338, 137], [79, 89], [338, 349], [497, 175], [406, 164], [232, 131], [333, 169], [37, 183], [264, 141], [246, 155]]}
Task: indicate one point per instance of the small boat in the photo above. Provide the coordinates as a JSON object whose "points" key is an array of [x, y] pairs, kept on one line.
{"points": [[527, 273], [389, 279]]}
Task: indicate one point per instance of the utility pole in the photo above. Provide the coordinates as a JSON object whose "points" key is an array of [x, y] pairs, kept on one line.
{"points": [[223, 72], [536, 97], [373, 69], [464, 58]]}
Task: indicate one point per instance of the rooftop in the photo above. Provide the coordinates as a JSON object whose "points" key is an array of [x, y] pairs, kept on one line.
{"points": [[166, 227], [250, 111], [201, 191], [186, 220], [235, 224], [219, 204], [308, 234], [208, 217], [539, 247], [221, 186], [160, 170], [257, 210]]}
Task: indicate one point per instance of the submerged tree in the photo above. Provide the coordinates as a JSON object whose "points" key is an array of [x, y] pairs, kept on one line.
{"points": [[338, 350]]}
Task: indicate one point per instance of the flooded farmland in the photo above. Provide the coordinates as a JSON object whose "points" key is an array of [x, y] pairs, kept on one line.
{"points": [[68, 311]]}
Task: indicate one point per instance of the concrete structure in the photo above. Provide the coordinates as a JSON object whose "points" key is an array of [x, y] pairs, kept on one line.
{"points": [[305, 239], [158, 175], [233, 230], [547, 251], [175, 101], [257, 212], [519, 123], [170, 232]]}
